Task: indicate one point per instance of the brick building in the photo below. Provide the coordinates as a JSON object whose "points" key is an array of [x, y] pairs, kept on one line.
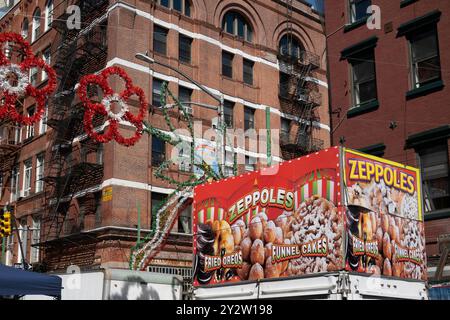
{"points": [[78, 202], [389, 93]]}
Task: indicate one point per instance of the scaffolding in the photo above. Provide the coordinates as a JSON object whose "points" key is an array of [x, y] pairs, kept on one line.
{"points": [[299, 97], [68, 173]]}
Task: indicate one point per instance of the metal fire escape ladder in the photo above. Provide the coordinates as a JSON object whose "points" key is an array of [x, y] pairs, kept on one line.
{"points": [[65, 175]]}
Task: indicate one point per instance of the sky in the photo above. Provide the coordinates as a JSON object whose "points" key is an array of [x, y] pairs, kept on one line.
{"points": [[318, 4]]}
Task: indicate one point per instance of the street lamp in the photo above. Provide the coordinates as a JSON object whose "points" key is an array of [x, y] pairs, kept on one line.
{"points": [[220, 110]]}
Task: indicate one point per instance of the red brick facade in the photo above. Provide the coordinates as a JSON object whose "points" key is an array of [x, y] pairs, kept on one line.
{"points": [[105, 234], [391, 126]]}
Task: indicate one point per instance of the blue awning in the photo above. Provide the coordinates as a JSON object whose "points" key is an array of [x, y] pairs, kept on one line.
{"points": [[20, 282]]}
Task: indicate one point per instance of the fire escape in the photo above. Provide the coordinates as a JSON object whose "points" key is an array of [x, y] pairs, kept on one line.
{"points": [[68, 173], [299, 96], [9, 151]]}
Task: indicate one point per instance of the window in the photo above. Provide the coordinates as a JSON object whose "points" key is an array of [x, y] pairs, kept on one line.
{"points": [[46, 58], [358, 9], [290, 46], [249, 118], [157, 200], [363, 77], [160, 40], [30, 128], [184, 158], [184, 48], [250, 163], [17, 135], [229, 164], [158, 151], [185, 221], [184, 95], [43, 121], [425, 61], [14, 183], [183, 6], [48, 14], [99, 153], [35, 238], [27, 172], [40, 159], [25, 28], [22, 247], [248, 71], [36, 27], [227, 64], [98, 208], [234, 23], [33, 76], [435, 175], [228, 113], [156, 92]]}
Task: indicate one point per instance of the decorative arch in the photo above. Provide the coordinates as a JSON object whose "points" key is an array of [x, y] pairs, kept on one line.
{"points": [[248, 11], [298, 31], [198, 8]]}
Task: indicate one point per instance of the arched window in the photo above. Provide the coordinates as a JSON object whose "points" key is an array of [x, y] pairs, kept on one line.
{"points": [[234, 23], [183, 6], [36, 28], [25, 28], [48, 14], [290, 46]]}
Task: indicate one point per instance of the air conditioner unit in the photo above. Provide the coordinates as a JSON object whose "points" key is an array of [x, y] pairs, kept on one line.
{"points": [[215, 122], [24, 193]]}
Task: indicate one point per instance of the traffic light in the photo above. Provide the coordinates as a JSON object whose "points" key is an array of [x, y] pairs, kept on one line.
{"points": [[5, 223]]}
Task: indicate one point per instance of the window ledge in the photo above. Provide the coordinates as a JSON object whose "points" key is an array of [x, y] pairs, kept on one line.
{"points": [[425, 89], [363, 108], [437, 214], [405, 3], [356, 24]]}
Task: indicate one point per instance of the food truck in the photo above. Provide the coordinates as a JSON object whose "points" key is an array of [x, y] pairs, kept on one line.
{"points": [[336, 224]]}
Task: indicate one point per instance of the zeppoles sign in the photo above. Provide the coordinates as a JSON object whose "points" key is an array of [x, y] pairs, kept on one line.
{"points": [[366, 170], [276, 197]]}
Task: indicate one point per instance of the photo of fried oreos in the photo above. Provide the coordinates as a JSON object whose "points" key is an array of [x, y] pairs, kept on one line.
{"points": [[205, 246]]}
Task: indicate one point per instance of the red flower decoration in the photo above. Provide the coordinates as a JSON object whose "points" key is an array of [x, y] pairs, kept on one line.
{"points": [[104, 108], [23, 88]]}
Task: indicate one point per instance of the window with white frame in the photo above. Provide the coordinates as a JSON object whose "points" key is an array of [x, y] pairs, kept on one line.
{"points": [[15, 174], [35, 239], [363, 77], [425, 60], [48, 15], [184, 96], [25, 28], [235, 23], [36, 26], [250, 163], [46, 58], [229, 164], [184, 158], [182, 6], [33, 76], [22, 247], [185, 221], [43, 121], [27, 173], [30, 128], [17, 134], [40, 159], [358, 9]]}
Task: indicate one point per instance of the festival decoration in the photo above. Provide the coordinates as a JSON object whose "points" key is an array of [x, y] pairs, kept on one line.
{"points": [[124, 116], [15, 83], [164, 216]]}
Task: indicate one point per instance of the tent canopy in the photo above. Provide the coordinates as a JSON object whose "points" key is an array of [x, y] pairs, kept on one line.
{"points": [[19, 282]]}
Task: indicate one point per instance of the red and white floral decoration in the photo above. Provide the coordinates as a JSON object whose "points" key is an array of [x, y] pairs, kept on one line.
{"points": [[22, 87], [104, 108]]}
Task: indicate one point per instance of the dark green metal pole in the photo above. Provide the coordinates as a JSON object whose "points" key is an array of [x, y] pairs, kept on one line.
{"points": [[269, 138]]}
